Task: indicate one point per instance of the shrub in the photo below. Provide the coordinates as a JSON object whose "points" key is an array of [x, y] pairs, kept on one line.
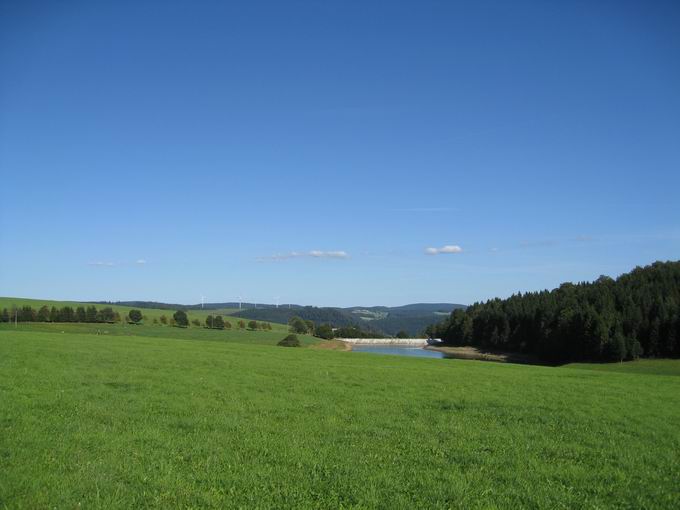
{"points": [[181, 318], [290, 341], [134, 315], [297, 325], [324, 331]]}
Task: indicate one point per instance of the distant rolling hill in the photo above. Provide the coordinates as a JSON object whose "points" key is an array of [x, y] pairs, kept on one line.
{"points": [[411, 318]]}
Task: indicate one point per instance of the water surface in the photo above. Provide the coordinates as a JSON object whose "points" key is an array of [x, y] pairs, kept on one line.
{"points": [[398, 350]]}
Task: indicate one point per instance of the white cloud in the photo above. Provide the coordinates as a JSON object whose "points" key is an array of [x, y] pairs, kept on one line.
{"points": [[107, 263], [318, 254], [449, 248], [329, 254]]}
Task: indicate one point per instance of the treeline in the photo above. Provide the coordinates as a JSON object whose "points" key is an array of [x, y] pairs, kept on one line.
{"points": [[301, 326], [638, 314], [309, 313], [217, 322], [63, 314]]}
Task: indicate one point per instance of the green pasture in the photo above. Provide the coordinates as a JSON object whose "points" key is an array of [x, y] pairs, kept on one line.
{"points": [[118, 421], [234, 334], [150, 313]]}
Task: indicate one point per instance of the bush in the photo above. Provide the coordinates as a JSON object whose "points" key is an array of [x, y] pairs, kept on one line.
{"points": [[252, 325], [134, 315], [290, 341], [324, 331], [181, 318], [297, 325]]}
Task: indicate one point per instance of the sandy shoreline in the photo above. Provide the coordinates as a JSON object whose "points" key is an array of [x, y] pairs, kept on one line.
{"points": [[332, 345], [474, 353]]}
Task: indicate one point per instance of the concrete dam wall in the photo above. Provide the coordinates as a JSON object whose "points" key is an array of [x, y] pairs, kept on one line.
{"points": [[415, 342]]}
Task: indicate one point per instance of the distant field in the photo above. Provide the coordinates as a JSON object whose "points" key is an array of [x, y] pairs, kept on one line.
{"points": [[234, 334], [145, 421], [147, 328], [150, 313]]}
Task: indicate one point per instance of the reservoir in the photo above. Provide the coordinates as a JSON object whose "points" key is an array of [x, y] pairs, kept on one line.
{"points": [[398, 350]]}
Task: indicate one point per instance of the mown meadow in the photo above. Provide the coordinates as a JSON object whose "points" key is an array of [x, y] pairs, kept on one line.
{"points": [[121, 421]]}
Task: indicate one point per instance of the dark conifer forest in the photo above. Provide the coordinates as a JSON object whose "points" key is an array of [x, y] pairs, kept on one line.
{"points": [[635, 315]]}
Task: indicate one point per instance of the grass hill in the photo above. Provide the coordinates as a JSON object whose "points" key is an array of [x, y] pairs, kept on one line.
{"points": [[150, 421], [147, 328]]}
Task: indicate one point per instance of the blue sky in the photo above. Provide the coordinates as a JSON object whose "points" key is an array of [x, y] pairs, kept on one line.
{"points": [[315, 150]]}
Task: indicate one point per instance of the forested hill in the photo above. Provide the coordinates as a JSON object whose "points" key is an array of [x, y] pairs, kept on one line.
{"points": [[411, 319], [637, 314], [282, 315]]}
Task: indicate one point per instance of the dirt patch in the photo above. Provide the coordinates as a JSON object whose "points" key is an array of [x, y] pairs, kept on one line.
{"points": [[332, 345], [475, 353]]}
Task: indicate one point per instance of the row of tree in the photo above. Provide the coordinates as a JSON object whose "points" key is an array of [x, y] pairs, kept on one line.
{"points": [[63, 314], [218, 322], [327, 331], [638, 314], [90, 314]]}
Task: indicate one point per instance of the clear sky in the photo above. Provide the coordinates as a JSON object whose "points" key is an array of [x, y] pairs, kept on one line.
{"points": [[327, 152]]}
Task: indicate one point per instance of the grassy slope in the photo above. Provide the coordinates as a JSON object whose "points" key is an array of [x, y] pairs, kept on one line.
{"points": [[151, 313], [148, 328], [123, 422], [278, 332]]}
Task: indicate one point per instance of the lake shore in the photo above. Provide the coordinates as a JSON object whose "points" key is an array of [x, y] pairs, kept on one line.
{"points": [[332, 345], [474, 353]]}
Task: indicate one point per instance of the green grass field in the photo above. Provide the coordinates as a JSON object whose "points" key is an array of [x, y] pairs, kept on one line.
{"points": [[148, 328], [150, 313], [122, 421], [234, 334]]}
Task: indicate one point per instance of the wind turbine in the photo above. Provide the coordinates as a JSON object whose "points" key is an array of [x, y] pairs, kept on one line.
{"points": [[277, 300], [240, 299], [202, 301]]}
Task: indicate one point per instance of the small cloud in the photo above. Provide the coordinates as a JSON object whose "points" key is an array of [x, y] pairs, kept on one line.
{"points": [[449, 248], [101, 263], [495, 250], [318, 254], [140, 262], [328, 254]]}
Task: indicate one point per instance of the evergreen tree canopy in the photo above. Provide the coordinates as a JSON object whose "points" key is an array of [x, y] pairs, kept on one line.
{"points": [[605, 320]]}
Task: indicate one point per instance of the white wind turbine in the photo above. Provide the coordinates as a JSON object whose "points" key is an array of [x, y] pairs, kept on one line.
{"points": [[277, 300], [202, 301]]}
